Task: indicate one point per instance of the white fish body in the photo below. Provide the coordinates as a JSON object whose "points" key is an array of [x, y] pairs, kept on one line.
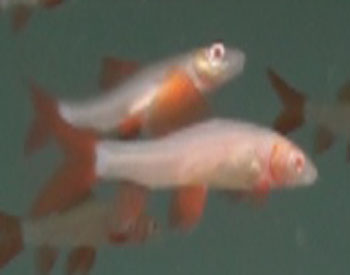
{"points": [[137, 92], [87, 224], [217, 152]]}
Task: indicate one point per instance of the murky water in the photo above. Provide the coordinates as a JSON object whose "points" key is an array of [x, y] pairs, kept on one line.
{"points": [[302, 231]]}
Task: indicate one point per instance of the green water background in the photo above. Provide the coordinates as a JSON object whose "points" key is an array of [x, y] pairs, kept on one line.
{"points": [[298, 232]]}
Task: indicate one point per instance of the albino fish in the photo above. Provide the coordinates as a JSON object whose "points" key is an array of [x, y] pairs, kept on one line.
{"points": [[125, 107], [23, 9], [331, 119], [89, 224], [221, 154]]}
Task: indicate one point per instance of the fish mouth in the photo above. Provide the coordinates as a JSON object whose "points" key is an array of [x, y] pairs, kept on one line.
{"points": [[310, 174], [236, 60]]}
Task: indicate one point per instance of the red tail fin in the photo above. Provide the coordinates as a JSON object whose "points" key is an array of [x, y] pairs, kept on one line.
{"points": [[74, 178], [292, 117], [11, 242]]}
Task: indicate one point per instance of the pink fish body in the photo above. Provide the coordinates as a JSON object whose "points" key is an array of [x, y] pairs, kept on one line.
{"points": [[223, 154]]}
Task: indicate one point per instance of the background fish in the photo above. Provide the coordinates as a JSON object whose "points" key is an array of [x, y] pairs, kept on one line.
{"points": [[331, 119], [87, 225], [23, 9], [125, 107]]}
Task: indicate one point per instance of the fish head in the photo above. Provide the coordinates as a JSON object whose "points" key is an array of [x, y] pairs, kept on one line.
{"points": [[217, 64], [289, 166]]}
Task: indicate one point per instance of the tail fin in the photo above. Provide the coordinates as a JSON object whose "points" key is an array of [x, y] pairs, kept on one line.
{"points": [[74, 177], [40, 131], [292, 117], [11, 242]]}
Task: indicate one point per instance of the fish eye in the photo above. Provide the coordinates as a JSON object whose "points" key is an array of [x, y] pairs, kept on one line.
{"points": [[216, 52]]}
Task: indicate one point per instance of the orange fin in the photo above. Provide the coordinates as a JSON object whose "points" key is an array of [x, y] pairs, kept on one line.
{"points": [[344, 93], [50, 3], [11, 242], [38, 136], [76, 175], [187, 206], [292, 117], [70, 183], [130, 127], [46, 257], [48, 120], [179, 103], [131, 203], [115, 70], [81, 260], [21, 16], [324, 140]]}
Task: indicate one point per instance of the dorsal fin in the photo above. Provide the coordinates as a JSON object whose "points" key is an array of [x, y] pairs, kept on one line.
{"points": [[20, 17], [114, 71], [344, 93]]}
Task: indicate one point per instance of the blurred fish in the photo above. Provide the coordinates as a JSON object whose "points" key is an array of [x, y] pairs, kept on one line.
{"points": [[221, 154], [23, 9], [88, 225], [125, 107], [331, 119]]}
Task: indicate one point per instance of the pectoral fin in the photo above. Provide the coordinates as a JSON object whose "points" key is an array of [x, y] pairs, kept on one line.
{"points": [[131, 126], [187, 206]]}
